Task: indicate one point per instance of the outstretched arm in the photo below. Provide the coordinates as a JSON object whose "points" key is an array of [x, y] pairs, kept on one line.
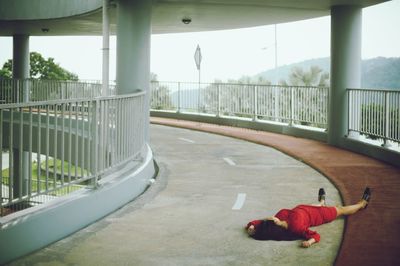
{"points": [[308, 243], [278, 222]]}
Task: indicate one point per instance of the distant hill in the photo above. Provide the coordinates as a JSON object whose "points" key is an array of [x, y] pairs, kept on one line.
{"points": [[381, 72], [378, 72], [283, 72]]}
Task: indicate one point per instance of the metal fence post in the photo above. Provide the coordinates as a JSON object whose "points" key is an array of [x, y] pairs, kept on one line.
{"points": [[95, 143], [179, 97], [218, 100], [255, 103], [291, 106], [386, 121]]}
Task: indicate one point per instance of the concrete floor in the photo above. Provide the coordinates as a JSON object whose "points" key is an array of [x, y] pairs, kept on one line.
{"points": [[186, 217]]}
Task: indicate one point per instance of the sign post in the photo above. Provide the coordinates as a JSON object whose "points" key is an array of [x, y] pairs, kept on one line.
{"points": [[197, 59]]}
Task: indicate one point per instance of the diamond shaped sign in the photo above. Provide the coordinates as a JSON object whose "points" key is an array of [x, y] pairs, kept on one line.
{"points": [[197, 57]]}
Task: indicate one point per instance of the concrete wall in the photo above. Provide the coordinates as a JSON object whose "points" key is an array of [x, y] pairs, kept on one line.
{"points": [[279, 128], [45, 9], [373, 151], [34, 228]]}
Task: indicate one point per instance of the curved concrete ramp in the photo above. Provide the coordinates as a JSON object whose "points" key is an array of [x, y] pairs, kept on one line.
{"points": [[208, 188]]}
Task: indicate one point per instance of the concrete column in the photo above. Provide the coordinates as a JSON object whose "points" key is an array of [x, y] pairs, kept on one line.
{"points": [[20, 70], [106, 49], [133, 45], [20, 57], [133, 51], [345, 66]]}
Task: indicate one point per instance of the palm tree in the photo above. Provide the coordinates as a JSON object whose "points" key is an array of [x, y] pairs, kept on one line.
{"points": [[309, 95], [314, 77]]}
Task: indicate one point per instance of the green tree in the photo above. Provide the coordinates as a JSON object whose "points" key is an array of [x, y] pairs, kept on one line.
{"points": [[314, 77], [40, 68], [160, 95], [308, 103], [6, 71]]}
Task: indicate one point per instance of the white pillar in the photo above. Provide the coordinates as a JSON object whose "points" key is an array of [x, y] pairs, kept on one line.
{"points": [[20, 67], [345, 66], [20, 70], [133, 45], [106, 49], [133, 51]]}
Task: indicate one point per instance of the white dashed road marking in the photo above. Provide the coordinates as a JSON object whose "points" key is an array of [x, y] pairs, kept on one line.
{"points": [[241, 198], [187, 140], [229, 161]]}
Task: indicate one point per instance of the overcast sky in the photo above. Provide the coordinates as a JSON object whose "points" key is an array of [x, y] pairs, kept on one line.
{"points": [[226, 54]]}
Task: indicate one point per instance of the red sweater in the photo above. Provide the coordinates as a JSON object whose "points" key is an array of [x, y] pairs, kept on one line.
{"points": [[302, 217]]}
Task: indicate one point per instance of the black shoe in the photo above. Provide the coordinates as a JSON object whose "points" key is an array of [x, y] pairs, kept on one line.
{"points": [[321, 194], [367, 195]]}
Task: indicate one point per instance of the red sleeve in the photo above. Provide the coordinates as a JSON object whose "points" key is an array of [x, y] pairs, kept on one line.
{"points": [[312, 234], [283, 215], [303, 231]]}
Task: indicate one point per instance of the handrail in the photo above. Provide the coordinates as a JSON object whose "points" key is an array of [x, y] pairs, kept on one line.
{"points": [[34, 90], [284, 104], [85, 137], [374, 114]]}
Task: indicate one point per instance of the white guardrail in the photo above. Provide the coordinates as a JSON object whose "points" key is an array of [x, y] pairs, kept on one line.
{"points": [[34, 90], [286, 104], [53, 147], [58, 136], [375, 115]]}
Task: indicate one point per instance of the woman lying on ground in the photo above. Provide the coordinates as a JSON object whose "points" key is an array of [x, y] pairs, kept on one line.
{"points": [[295, 223]]}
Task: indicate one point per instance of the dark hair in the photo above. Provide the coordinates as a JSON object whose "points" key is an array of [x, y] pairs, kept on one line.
{"points": [[268, 230]]}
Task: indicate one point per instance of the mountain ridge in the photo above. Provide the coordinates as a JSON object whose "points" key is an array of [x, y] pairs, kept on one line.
{"points": [[378, 72]]}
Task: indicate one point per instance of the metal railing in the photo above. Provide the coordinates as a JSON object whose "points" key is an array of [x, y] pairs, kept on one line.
{"points": [[34, 90], [375, 114], [51, 148], [286, 104]]}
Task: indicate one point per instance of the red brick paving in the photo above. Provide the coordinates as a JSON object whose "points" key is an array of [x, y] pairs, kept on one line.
{"points": [[372, 237]]}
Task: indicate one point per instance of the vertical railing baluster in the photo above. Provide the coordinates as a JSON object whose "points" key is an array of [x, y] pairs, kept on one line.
{"points": [[255, 102], [95, 142], [30, 148], [55, 147], [1, 160], [62, 143], [386, 120], [47, 146], [89, 142], [76, 139], [11, 157], [82, 165], [38, 150], [21, 177], [69, 142]]}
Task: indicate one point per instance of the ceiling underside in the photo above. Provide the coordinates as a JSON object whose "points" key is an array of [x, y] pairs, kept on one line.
{"points": [[205, 15]]}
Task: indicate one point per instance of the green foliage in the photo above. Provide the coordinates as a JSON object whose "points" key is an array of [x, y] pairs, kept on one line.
{"points": [[314, 77], [379, 72], [6, 72], [160, 95], [40, 68], [40, 184], [305, 113], [161, 98], [373, 118], [258, 80]]}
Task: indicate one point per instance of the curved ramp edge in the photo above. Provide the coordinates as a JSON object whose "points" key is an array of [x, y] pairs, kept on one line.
{"points": [[36, 228]]}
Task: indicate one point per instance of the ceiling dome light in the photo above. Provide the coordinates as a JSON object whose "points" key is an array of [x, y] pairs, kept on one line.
{"points": [[186, 20]]}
